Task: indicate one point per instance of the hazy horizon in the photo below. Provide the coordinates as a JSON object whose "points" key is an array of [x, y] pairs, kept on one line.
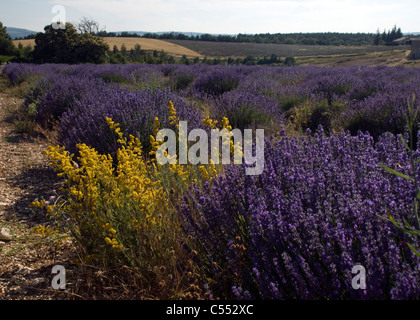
{"points": [[220, 17]]}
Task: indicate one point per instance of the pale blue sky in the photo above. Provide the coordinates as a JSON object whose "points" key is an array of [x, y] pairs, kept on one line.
{"points": [[221, 16]]}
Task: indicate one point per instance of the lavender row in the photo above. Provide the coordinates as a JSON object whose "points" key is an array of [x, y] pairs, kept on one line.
{"points": [[370, 99], [297, 230]]}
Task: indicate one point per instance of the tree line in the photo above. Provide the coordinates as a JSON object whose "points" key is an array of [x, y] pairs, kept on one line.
{"points": [[387, 37], [326, 38]]}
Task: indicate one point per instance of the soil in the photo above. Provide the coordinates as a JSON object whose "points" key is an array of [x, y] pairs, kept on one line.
{"points": [[26, 261]]}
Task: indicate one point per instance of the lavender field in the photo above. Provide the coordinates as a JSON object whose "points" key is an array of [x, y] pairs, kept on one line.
{"points": [[293, 232]]}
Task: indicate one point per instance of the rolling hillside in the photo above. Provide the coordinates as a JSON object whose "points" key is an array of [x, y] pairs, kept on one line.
{"points": [[19, 32]]}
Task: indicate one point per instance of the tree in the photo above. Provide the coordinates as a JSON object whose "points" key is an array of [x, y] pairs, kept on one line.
{"points": [[87, 25], [377, 39], [6, 45], [67, 46], [289, 61], [399, 33], [91, 49], [123, 49]]}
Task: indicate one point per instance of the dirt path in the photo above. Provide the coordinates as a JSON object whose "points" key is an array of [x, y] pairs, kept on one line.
{"points": [[25, 261]]}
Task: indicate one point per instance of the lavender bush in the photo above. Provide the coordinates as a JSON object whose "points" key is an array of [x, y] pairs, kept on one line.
{"points": [[134, 111], [243, 109], [218, 81], [369, 99], [56, 94], [297, 230]]}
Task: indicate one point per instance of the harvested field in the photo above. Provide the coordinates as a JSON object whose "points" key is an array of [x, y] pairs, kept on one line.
{"points": [[145, 44]]}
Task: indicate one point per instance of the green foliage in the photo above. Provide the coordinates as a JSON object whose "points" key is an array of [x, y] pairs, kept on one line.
{"points": [[325, 114], [6, 45], [288, 102], [406, 226], [327, 38], [114, 78], [24, 53], [387, 37], [247, 115], [364, 122], [67, 46], [137, 55], [25, 126], [182, 81], [91, 49], [290, 61], [5, 59], [305, 115]]}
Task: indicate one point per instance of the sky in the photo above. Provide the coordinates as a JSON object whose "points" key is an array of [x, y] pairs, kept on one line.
{"points": [[220, 16]]}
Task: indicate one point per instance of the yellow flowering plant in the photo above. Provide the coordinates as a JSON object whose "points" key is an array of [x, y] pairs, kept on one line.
{"points": [[111, 209], [123, 210]]}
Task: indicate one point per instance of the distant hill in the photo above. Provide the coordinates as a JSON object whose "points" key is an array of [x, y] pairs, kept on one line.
{"points": [[19, 33]]}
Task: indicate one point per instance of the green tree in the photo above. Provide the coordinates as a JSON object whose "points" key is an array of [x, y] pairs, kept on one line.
{"points": [[377, 39], [289, 61], [91, 49], [6, 45], [67, 46], [123, 49]]}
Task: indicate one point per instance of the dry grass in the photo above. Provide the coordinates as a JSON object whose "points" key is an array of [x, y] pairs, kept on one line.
{"points": [[25, 43], [145, 44], [385, 58], [152, 44]]}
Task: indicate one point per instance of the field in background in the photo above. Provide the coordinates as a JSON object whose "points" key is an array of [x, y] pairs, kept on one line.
{"points": [[145, 44], [229, 49], [381, 58], [304, 54]]}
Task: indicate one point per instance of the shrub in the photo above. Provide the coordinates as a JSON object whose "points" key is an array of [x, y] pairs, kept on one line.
{"points": [[290, 61], [135, 111], [297, 230], [113, 78], [120, 215], [181, 80], [67, 46], [56, 94], [325, 115], [288, 102], [378, 113], [244, 109], [331, 85], [217, 81]]}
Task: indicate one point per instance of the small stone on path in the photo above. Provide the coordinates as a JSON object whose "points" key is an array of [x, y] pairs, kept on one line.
{"points": [[5, 234]]}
